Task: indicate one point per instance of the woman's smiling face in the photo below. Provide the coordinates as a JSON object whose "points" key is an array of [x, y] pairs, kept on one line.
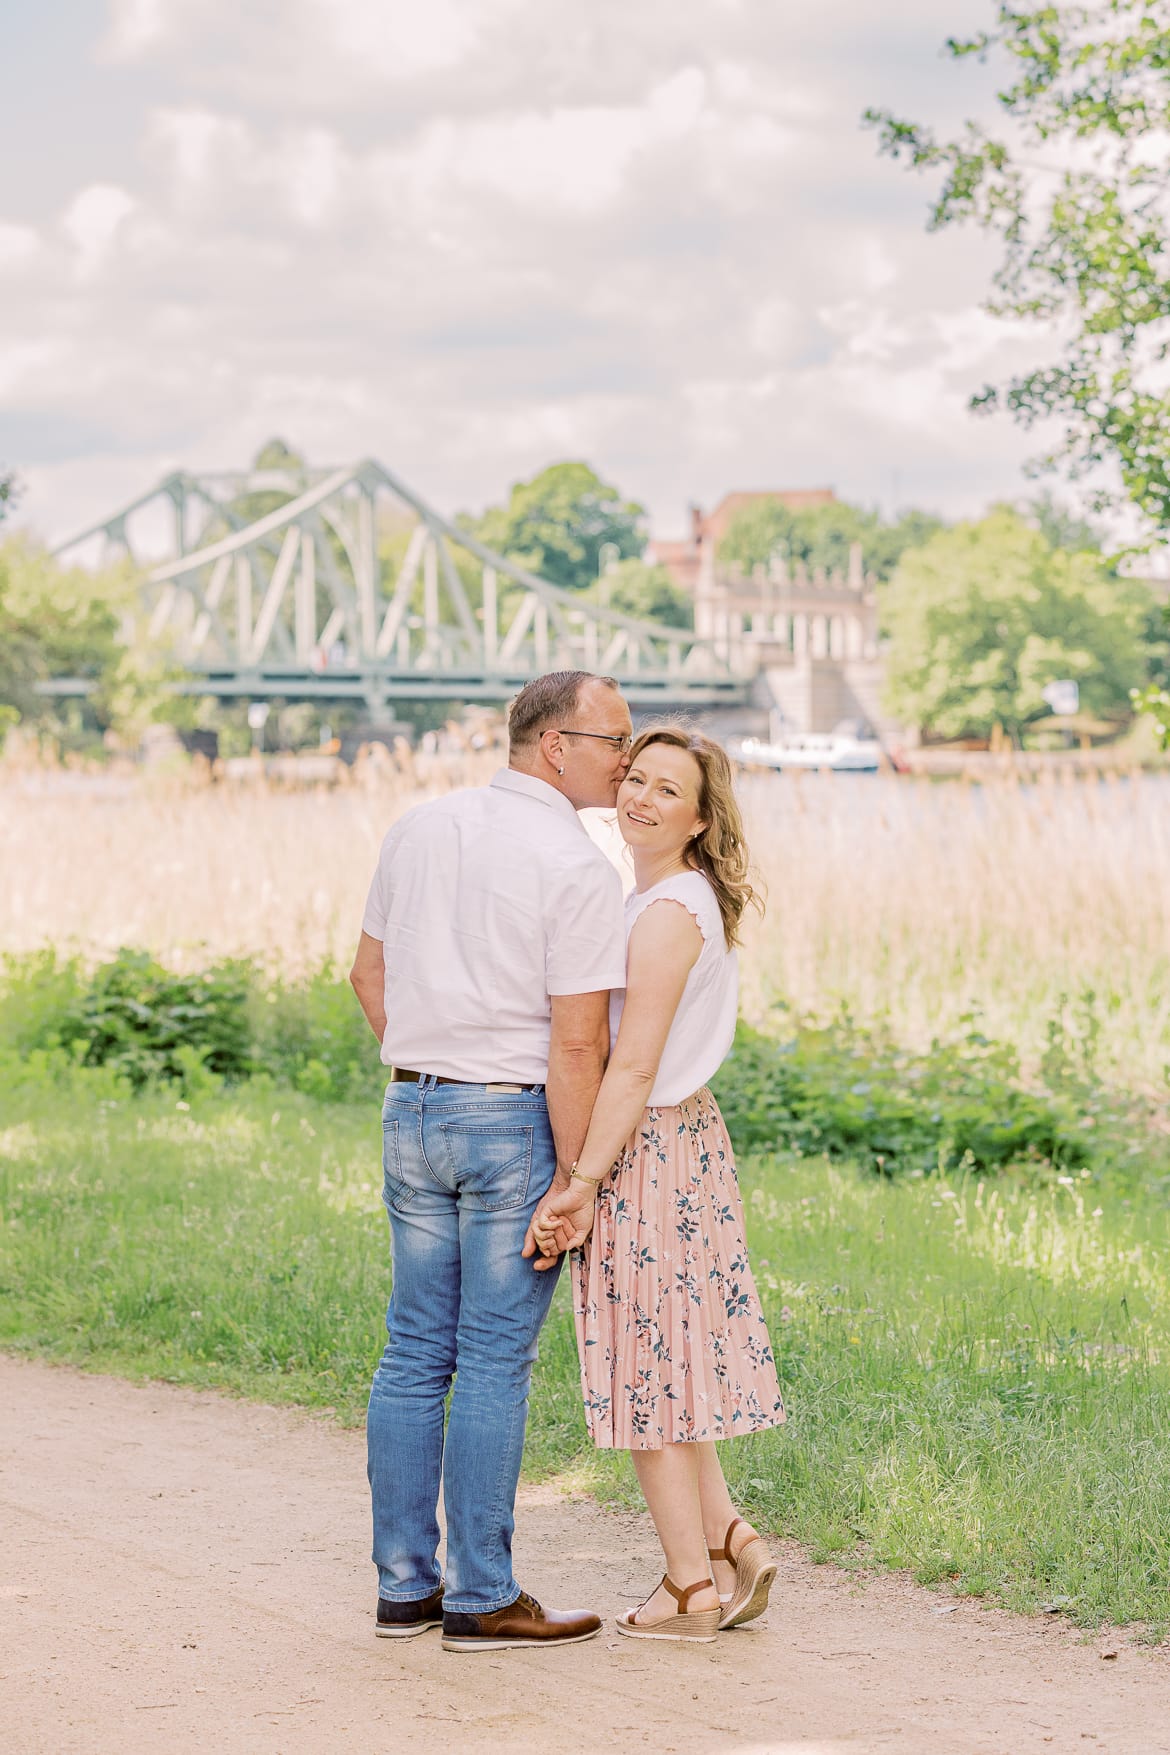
{"points": [[658, 800]]}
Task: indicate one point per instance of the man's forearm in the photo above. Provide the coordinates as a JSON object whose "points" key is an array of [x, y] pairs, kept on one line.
{"points": [[368, 980], [574, 1079], [372, 1000]]}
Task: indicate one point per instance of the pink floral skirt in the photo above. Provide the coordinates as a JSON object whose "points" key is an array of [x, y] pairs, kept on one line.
{"points": [[671, 1335]]}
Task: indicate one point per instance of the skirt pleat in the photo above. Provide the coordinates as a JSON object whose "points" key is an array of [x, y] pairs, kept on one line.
{"points": [[672, 1338]]}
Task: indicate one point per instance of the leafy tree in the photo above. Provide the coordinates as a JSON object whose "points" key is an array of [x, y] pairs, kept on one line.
{"points": [[1154, 698], [987, 614], [889, 542], [637, 589], [1074, 181], [1065, 529], [821, 536], [58, 621], [275, 455], [7, 495], [558, 523], [758, 531]]}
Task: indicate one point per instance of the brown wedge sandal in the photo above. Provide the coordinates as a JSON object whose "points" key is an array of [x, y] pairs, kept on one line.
{"points": [[698, 1625], [754, 1571]]}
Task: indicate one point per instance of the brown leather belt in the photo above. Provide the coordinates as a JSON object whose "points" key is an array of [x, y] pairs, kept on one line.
{"points": [[403, 1075]]}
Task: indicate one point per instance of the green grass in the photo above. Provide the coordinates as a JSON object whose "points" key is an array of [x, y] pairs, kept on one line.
{"points": [[238, 1242], [977, 1385], [977, 1373]]}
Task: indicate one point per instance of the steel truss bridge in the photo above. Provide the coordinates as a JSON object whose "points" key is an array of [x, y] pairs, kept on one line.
{"points": [[352, 587]]}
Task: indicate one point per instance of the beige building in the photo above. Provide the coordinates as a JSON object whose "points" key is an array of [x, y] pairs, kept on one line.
{"points": [[812, 636]]}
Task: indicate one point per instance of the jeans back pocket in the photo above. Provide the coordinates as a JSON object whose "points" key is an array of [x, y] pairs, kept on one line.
{"points": [[490, 1163]]}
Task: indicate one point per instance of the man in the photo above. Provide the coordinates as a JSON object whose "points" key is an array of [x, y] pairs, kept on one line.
{"points": [[492, 935]]}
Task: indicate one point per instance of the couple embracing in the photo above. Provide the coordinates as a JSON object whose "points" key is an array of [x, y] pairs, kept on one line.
{"points": [[549, 1056]]}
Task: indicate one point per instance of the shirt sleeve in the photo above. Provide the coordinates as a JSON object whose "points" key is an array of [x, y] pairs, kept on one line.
{"points": [[585, 935], [378, 901]]}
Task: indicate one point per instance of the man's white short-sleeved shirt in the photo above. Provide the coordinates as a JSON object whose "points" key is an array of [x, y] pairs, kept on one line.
{"points": [[487, 902]]}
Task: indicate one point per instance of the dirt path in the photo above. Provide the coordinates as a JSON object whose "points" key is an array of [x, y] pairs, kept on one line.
{"points": [[182, 1572]]}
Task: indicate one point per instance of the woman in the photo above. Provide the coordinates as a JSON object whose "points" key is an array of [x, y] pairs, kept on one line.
{"points": [[674, 1350]]}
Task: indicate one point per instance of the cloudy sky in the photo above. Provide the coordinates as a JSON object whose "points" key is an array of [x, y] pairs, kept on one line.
{"points": [[470, 237]]}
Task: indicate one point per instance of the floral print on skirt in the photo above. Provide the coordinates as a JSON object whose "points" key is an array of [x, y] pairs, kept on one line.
{"points": [[671, 1335]]}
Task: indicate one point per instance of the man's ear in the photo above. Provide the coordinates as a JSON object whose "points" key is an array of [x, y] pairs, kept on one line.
{"points": [[552, 749]]}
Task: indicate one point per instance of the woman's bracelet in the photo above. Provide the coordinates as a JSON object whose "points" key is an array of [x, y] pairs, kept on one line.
{"points": [[593, 1181]]}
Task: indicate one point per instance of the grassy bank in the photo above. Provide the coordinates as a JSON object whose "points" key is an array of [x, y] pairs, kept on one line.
{"points": [[977, 1371]]}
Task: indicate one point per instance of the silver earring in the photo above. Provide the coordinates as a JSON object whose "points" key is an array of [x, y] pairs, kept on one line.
{"points": [[560, 770]]}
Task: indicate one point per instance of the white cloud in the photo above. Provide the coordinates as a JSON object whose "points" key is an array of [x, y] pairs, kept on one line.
{"points": [[876, 266], [92, 220], [310, 52], [136, 26], [472, 238], [317, 167], [762, 89], [576, 157], [25, 365], [19, 244], [774, 327], [199, 142], [397, 39]]}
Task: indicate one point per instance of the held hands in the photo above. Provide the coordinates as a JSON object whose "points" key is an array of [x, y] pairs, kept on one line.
{"points": [[563, 1221]]}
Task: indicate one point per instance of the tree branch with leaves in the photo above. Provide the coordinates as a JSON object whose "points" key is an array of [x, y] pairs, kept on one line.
{"points": [[1076, 182], [559, 523]]}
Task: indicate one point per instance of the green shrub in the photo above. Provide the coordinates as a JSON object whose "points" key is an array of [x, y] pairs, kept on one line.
{"points": [[842, 1091], [311, 1034], [850, 1093], [148, 1024], [36, 991]]}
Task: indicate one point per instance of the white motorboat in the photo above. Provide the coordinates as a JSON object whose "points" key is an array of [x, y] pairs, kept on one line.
{"points": [[840, 752]]}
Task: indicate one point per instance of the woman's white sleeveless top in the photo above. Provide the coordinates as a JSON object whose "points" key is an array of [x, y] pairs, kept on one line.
{"points": [[704, 1024]]}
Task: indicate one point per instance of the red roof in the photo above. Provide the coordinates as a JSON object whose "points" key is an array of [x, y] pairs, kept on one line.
{"points": [[795, 499], [681, 556]]}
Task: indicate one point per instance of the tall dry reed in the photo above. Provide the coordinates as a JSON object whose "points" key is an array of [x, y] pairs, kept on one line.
{"points": [[904, 900], [916, 902], [240, 869]]}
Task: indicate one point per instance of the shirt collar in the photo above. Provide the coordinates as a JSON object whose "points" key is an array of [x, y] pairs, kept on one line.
{"points": [[511, 780]]}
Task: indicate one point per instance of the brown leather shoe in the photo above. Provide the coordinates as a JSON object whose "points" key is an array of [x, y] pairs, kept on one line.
{"points": [[523, 1622], [405, 1620]]}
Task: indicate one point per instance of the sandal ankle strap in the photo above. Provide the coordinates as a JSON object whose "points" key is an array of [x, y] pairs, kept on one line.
{"points": [[724, 1553], [682, 1597]]}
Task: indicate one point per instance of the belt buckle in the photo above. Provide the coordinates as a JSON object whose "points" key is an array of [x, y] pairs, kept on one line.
{"points": [[503, 1090]]}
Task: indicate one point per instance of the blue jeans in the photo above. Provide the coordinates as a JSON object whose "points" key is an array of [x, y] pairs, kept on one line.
{"points": [[464, 1172]]}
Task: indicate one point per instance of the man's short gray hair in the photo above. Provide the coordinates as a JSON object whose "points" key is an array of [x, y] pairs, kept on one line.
{"points": [[547, 702]]}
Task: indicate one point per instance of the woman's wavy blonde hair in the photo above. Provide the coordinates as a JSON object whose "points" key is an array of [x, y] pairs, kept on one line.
{"points": [[719, 851]]}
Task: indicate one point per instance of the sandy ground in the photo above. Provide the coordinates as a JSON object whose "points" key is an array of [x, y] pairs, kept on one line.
{"points": [[179, 1571]]}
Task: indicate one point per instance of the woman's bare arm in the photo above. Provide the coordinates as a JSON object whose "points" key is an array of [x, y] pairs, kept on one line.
{"points": [[664, 947]]}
